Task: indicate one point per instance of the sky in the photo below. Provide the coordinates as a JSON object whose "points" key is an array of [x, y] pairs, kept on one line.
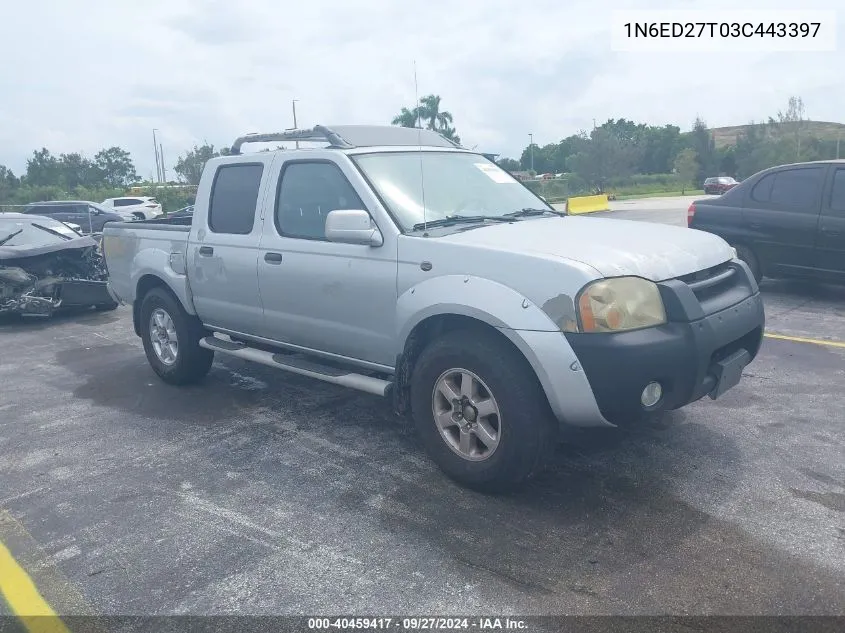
{"points": [[82, 75]]}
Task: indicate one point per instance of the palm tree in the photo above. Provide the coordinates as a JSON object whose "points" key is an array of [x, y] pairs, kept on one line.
{"points": [[428, 110], [406, 118]]}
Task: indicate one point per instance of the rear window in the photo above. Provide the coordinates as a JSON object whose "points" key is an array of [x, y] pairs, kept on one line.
{"points": [[234, 198]]}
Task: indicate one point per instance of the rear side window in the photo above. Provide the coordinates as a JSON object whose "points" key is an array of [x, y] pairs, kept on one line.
{"points": [[124, 203], [797, 189], [837, 193], [234, 198]]}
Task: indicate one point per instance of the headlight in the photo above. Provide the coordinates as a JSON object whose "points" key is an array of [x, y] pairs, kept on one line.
{"points": [[621, 303]]}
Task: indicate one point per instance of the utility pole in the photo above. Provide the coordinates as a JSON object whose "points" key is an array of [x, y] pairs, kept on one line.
{"points": [[163, 170], [155, 149], [293, 105], [531, 149]]}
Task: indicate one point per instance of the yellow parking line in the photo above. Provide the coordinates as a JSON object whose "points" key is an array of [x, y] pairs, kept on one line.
{"points": [[23, 598], [801, 339]]}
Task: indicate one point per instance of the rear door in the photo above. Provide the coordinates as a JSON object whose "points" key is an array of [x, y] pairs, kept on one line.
{"points": [[782, 214], [223, 246], [830, 242]]}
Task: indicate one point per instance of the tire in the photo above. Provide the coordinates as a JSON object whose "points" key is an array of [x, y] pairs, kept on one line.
{"points": [[525, 426], [187, 362], [748, 256]]}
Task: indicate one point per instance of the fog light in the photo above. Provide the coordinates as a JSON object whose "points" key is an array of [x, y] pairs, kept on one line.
{"points": [[651, 394]]}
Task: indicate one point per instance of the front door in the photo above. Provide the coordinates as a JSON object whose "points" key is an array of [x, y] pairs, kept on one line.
{"points": [[321, 295], [782, 214], [830, 242]]}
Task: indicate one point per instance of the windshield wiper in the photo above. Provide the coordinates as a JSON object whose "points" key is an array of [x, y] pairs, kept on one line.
{"points": [[53, 231], [449, 220], [524, 213], [10, 236]]}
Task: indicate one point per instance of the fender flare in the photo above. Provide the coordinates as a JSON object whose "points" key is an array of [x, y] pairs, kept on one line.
{"points": [[467, 295]]}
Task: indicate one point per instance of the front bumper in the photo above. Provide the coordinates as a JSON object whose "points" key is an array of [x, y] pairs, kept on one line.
{"points": [[693, 355]]}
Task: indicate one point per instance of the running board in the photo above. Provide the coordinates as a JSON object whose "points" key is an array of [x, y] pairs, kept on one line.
{"points": [[299, 365]]}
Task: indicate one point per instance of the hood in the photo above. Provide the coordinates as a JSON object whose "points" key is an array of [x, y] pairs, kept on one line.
{"points": [[613, 247]]}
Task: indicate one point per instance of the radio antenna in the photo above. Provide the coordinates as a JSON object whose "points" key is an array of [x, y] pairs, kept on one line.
{"points": [[419, 144]]}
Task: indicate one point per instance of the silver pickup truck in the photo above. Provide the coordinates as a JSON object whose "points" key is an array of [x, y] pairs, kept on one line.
{"points": [[392, 261]]}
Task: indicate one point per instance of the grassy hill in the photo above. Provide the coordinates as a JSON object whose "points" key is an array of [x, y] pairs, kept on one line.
{"points": [[725, 136]]}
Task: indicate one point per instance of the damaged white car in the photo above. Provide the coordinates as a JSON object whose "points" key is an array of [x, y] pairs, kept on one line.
{"points": [[45, 265]]}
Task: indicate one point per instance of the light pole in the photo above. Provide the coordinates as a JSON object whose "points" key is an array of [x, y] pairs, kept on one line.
{"points": [[531, 149], [293, 105], [155, 149]]}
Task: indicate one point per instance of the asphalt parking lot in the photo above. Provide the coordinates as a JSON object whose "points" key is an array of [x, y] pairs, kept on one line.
{"points": [[260, 492]]}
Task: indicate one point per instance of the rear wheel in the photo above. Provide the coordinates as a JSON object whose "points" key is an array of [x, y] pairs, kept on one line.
{"points": [[748, 256], [480, 411], [171, 339]]}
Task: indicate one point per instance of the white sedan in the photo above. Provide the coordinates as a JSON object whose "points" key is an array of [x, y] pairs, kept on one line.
{"points": [[142, 207]]}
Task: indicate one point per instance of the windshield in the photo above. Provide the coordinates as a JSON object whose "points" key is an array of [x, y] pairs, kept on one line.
{"points": [[32, 235], [455, 184]]}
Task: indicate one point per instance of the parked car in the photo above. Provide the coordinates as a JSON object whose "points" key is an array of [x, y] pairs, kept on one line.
{"points": [[142, 207], [90, 217], [787, 221], [719, 184], [46, 266], [486, 315]]}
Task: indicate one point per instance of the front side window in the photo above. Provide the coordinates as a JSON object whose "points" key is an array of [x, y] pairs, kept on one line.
{"points": [[431, 185], [307, 193], [234, 198]]}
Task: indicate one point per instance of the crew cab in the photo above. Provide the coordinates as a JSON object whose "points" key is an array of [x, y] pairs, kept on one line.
{"points": [[786, 221], [393, 261]]}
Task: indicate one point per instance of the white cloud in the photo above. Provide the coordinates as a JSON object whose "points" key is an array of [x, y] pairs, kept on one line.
{"points": [[89, 74]]}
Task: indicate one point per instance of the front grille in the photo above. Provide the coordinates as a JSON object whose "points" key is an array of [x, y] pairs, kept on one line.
{"points": [[711, 283]]}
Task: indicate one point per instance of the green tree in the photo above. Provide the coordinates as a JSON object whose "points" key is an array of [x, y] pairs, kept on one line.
{"points": [[9, 183], [190, 165], [42, 169], [686, 168], [77, 171], [406, 118], [509, 164], [605, 156], [704, 145], [116, 166], [428, 110]]}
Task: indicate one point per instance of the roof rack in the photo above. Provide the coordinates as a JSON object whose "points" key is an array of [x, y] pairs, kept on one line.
{"points": [[349, 136], [319, 133]]}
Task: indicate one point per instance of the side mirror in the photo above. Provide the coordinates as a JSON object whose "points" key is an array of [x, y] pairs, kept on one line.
{"points": [[352, 226]]}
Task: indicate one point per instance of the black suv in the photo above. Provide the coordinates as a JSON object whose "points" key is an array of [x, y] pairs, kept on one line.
{"points": [[90, 216], [786, 221]]}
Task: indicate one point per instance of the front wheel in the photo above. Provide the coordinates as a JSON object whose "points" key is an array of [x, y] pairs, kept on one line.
{"points": [[171, 339], [747, 255], [481, 412]]}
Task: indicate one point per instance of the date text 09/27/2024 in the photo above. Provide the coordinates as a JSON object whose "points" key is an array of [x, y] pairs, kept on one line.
{"points": [[417, 623]]}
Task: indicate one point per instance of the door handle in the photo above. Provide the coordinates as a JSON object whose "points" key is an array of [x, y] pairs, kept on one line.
{"points": [[206, 250], [829, 232], [755, 225], [273, 258]]}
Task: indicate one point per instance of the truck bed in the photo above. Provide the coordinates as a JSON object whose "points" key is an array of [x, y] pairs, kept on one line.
{"points": [[154, 247]]}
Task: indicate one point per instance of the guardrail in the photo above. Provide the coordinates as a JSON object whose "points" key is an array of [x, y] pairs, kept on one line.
{"points": [[587, 204]]}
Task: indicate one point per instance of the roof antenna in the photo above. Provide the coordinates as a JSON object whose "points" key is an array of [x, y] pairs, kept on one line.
{"points": [[419, 144]]}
